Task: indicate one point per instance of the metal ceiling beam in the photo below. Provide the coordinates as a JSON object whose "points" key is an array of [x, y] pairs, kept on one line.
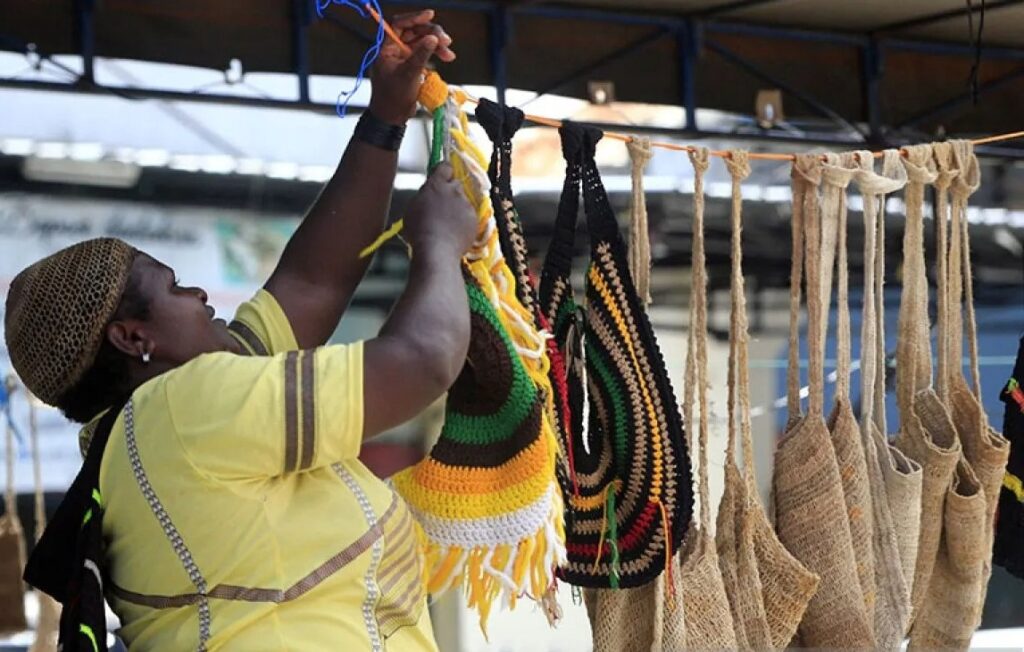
{"points": [[301, 19], [85, 37], [615, 55], [812, 102], [938, 17], [961, 99], [730, 7]]}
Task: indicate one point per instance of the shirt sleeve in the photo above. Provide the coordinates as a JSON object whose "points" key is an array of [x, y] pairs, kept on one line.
{"points": [[261, 326], [241, 417]]}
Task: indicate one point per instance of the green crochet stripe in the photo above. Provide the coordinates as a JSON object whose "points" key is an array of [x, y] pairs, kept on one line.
{"points": [[500, 426], [565, 311], [611, 385]]}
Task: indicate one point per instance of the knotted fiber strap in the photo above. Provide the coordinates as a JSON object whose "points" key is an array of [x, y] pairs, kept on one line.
{"points": [[837, 173], [640, 154], [951, 610], [486, 496], [895, 485], [926, 433], [48, 621], [12, 536], [810, 508], [634, 500], [501, 123]]}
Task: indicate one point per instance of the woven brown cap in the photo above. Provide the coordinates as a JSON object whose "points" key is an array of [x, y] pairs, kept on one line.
{"points": [[58, 310]]}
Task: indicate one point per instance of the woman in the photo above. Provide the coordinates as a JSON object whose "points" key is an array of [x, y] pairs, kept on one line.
{"points": [[226, 492]]}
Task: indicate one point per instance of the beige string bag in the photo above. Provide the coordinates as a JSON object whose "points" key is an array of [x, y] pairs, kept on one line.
{"points": [[648, 618], [952, 609], [894, 481], [926, 432], [984, 447], [903, 476], [846, 438], [810, 509], [733, 533], [12, 547], [48, 623], [709, 624]]}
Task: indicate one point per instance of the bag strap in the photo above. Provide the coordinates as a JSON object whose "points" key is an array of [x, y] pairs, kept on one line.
{"points": [[10, 494], [873, 188], [818, 240], [697, 356], [968, 181], [640, 154], [913, 352], [805, 178], [738, 164], [837, 173], [944, 292]]}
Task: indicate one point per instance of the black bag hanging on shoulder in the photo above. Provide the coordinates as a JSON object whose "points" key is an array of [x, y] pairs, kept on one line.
{"points": [[634, 486], [67, 561], [1008, 552]]}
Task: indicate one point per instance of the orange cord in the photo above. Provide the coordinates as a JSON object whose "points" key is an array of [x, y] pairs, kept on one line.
{"points": [[550, 122]]}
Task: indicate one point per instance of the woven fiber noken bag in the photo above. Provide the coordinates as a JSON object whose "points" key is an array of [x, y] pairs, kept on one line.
{"points": [[810, 509], [926, 434], [706, 609]]}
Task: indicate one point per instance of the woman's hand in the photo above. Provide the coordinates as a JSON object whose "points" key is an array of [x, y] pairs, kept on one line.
{"points": [[439, 216], [397, 77]]}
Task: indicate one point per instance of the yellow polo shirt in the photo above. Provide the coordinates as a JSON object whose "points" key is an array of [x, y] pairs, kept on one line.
{"points": [[238, 517]]}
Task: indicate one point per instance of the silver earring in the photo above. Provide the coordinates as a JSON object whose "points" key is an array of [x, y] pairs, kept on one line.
{"points": [[145, 357]]}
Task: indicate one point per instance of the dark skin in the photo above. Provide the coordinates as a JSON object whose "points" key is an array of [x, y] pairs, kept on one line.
{"points": [[428, 329]]}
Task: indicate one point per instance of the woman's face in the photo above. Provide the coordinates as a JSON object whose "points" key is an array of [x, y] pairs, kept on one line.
{"points": [[180, 325]]}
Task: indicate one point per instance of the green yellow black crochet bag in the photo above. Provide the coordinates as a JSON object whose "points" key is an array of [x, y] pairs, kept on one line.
{"points": [[634, 499]]}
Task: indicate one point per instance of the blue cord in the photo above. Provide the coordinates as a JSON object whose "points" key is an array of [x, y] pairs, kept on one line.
{"points": [[344, 97], [5, 408]]}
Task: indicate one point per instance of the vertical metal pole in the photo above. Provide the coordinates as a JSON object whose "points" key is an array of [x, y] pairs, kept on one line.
{"points": [[872, 70], [499, 26], [687, 46], [86, 39], [301, 19]]}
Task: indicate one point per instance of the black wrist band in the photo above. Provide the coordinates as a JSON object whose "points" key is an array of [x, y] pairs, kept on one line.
{"points": [[376, 132]]}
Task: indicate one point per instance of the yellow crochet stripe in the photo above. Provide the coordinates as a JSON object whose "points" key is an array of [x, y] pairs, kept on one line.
{"points": [[518, 568], [1013, 483]]}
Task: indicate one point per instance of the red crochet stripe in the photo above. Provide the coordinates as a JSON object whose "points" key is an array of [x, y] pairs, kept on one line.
{"points": [[633, 538], [558, 377]]}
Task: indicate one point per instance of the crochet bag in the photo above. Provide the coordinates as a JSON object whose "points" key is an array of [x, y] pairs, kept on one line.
{"points": [[894, 481], [649, 617], [501, 123], [810, 508], [485, 497], [926, 435], [635, 499], [837, 173], [12, 536]]}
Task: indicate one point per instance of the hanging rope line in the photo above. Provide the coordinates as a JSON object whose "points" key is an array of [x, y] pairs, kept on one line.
{"points": [[551, 122]]}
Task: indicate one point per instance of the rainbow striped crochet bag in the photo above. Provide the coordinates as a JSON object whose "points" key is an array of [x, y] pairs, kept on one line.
{"points": [[634, 499], [486, 497]]}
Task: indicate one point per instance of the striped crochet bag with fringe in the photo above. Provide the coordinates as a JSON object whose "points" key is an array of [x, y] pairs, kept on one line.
{"points": [[486, 498], [634, 499]]}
